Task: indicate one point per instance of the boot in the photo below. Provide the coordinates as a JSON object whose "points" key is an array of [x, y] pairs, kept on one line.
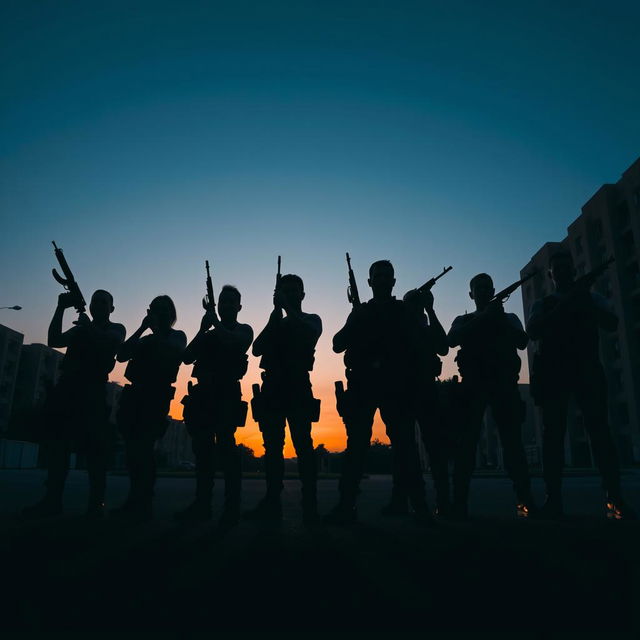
{"points": [[618, 509]]}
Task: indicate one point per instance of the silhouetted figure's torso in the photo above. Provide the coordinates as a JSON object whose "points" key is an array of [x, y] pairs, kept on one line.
{"points": [[567, 364], [383, 346], [489, 364]]}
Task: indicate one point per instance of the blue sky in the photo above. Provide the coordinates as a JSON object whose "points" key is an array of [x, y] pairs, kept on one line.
{"points": [[145, 137]]}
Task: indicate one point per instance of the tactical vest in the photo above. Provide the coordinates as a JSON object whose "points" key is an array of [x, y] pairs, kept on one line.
{"points": [[219, 361], [488, 357], [86, 361], [287, 355]]}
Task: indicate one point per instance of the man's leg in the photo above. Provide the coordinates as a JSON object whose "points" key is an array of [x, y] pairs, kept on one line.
{"points": [[359, 429], [508, 412], [202, 445], [554, 420], [591, 397], [229, 460], [465, 457], [358, 423], [300, 427], [406, 461], [270, 507]]}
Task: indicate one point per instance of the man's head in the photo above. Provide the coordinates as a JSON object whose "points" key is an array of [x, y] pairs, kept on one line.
{"points": [[101, 305], [481, 289], [163, 313], [292, 288], [381, 278], [229, 303], [561, 269]]}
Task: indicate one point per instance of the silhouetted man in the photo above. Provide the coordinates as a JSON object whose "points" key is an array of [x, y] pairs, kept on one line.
{"points": [[566, 325], [287, 346], [432, 342], [380, 338], [154, 361], [76, 409], [214, 408], [489, 364]]}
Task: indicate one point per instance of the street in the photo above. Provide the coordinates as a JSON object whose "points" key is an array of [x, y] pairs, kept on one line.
{"points": [[493, 573]]}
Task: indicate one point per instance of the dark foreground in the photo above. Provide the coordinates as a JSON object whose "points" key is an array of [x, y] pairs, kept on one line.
{"points": [[494, 573]]}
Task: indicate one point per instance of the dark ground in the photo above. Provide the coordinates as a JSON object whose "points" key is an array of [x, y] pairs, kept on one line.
{"points": [[494, 573]]}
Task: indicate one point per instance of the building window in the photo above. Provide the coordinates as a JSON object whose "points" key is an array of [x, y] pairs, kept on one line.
{"points": [[623, 413], [615, 347], [616, 379], [622, 214], [597, 230], [633, 275], [628, 245]]}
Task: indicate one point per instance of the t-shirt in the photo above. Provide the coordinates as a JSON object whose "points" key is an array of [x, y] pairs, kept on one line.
{"points": [[488, 353], [290, 345], [156, 359], [91, 352], [573, 337], [220, 359], [382, 338]]}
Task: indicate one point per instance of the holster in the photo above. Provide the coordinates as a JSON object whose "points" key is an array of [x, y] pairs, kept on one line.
{"points": [[257, 404]]}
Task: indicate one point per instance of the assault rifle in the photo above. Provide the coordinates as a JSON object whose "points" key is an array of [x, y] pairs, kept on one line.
{"points": [[589, 279], [209, 302], [352, 290], [68, 282], [427, 286], [278, 274], [503, 295]]}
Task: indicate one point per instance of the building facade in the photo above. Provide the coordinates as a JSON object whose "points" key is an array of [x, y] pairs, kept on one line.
{"points": [[10, 351], [609, 226]]}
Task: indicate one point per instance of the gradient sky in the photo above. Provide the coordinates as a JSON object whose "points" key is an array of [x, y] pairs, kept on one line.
{"points": [[145, 137]]}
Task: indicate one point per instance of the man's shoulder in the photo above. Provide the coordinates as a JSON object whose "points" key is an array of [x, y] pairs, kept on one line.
{"points": [[465, 317], [116, 327]]}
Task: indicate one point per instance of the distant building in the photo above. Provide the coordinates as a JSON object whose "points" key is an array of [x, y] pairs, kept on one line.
{"points": [[10, 346], [608, 226], [38, 371]]}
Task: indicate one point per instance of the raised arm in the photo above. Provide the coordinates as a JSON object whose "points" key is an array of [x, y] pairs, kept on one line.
{"points": [[265, 339], [55, 336], [128, 348]]}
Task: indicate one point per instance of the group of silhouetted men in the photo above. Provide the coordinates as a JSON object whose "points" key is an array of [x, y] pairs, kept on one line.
{"points": [[392, 351]]}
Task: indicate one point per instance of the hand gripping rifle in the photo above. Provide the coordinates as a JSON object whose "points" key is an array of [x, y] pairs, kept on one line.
{"points": [[427, 286], [503, 295], [352, 290], [208, 302], [68, 282]]}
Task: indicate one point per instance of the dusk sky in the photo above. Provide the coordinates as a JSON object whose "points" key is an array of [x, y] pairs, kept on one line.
{"points": [[146, 137]]}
